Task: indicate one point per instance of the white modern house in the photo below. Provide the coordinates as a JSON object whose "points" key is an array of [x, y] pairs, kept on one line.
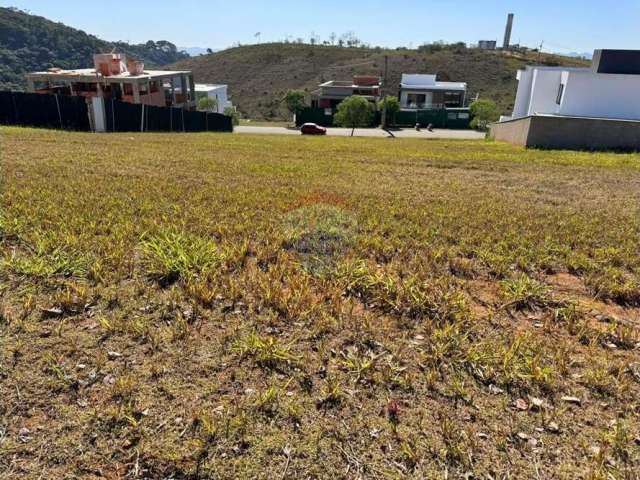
{"points": [[217, 92], [419, 91], [563, 107], [578, 92]]}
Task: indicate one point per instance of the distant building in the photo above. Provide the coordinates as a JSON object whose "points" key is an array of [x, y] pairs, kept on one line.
{"points": [[115, 77], [595, 107], [419, 91], [217, 92], [487, 44], [330, 94]]}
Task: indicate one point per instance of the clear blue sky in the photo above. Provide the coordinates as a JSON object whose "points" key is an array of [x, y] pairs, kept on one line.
{"points": [[564, 25]]}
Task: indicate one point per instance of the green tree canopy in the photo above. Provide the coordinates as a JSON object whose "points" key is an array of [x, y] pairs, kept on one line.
{"points": [[208, 104], [393, 107], [483, 112], [295, 101], [354, 112]]}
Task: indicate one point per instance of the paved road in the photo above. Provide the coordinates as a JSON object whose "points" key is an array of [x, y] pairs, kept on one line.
{"points": [[368, 132]]}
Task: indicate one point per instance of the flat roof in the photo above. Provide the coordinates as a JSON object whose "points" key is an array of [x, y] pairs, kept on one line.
{"points": [[435, 86], [557, 68], [428, 81], [346, 84], [205, 87], [90, 74]]}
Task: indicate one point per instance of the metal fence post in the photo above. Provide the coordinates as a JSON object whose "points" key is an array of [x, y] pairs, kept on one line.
{"points": [[59, 112], [113, 115]]}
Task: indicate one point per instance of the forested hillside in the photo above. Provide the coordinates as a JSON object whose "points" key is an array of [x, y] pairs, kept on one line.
{"points": [[29, 43]]}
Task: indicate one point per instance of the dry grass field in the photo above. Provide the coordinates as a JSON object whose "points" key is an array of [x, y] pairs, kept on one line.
{"points": [[215, 306]]}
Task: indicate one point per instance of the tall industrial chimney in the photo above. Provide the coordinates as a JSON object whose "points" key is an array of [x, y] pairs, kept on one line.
{"points": [[507, 32]]}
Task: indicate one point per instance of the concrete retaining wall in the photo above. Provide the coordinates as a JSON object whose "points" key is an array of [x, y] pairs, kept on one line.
{"points": [[572, 133]]}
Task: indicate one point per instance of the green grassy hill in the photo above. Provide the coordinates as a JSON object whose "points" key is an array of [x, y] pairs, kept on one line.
{"points": [[29, 43], [260, 75]]}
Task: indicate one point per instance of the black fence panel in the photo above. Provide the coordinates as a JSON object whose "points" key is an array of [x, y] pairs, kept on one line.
{"points": [[177, 119], [7, 109], [122, 116], [158, 119], [75, 113], [216, 122], [47, 111], [195, 121], [72, 113]]}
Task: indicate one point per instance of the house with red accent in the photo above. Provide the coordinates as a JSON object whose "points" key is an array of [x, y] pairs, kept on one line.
{"points": [[114, 76], [330, 94]]}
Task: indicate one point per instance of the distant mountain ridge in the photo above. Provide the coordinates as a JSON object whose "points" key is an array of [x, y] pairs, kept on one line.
{"points": [[196, 51], [586, 55], [30, 43]]}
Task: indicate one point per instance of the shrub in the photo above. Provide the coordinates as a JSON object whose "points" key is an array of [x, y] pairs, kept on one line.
{"points": [[483, 112], [208, 104], [393, 107], [233, 113]]}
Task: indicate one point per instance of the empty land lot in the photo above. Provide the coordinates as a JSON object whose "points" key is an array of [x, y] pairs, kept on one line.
{"points": [[218, 306]]}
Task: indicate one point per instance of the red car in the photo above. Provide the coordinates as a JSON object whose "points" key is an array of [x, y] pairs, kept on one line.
{"points": [[313, 129]]}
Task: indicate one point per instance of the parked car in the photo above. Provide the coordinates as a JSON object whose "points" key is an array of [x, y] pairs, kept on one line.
{"points": [[313, 129]]}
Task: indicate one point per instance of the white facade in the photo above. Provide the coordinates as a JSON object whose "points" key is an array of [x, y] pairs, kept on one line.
{"points": [[217, 92], [576, 92], [424, 91]]}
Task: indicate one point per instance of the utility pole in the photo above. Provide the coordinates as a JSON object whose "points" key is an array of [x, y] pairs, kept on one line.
{"points": [[540, 51], [384, 96]]}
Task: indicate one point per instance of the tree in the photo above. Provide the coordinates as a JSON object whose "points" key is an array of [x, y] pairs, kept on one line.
{"points": [[209, 51], [208, 104], [354, 112], [294, 100], [233, 113], [483, 112], [393, 107]]}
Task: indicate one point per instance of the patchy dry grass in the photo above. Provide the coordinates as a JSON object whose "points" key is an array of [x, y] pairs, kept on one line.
{"points": [[218, 306]]}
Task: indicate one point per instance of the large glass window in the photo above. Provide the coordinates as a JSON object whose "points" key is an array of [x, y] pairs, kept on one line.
{"points": [[416, 99]]}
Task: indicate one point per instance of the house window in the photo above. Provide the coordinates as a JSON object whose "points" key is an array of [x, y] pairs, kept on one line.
{"points": [[154, 87], [560, 93], [128, 89], [453, 99], [463, 116], [416, 99], [365, 92]]}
